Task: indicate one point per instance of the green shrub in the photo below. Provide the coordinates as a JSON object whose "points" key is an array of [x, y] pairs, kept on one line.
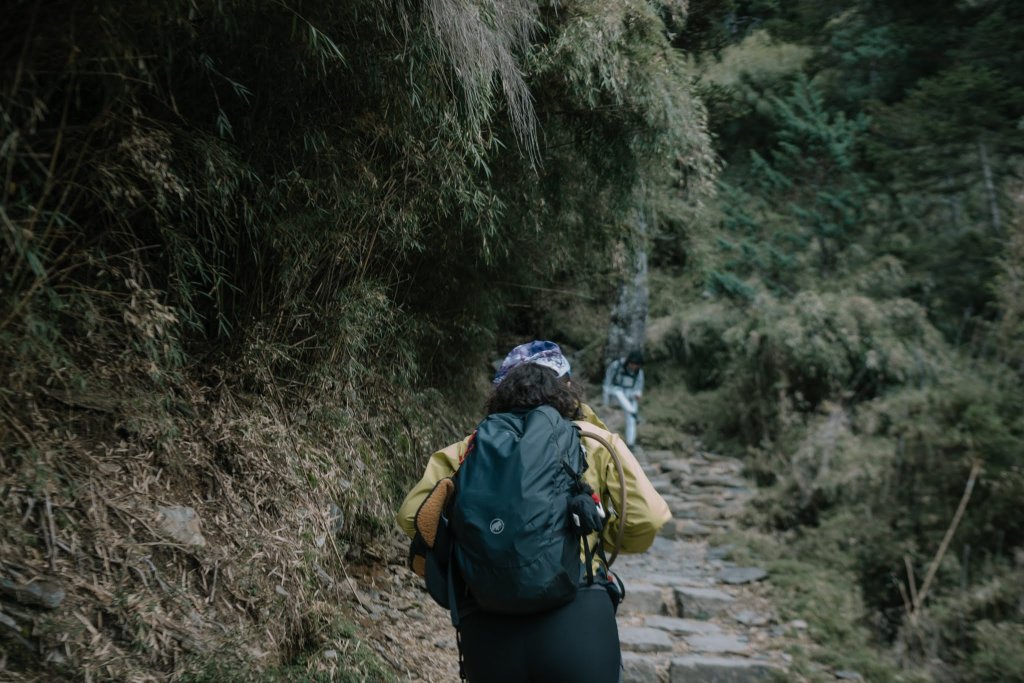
{"points": [[998, 657]]}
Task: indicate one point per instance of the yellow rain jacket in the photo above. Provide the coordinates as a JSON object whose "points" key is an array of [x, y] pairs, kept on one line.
{"points": [[646, 510]]}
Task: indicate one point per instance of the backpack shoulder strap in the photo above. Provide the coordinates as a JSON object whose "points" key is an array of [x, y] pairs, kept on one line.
{"points": [[603, 438]]}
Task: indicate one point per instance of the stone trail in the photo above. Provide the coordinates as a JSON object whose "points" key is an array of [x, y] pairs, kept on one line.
{"points": [[691, 616]]}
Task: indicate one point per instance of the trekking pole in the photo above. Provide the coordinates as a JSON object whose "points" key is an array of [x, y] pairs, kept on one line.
{"points": [[622, 490]]}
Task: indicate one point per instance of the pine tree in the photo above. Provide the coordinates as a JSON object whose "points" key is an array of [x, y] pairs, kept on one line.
{"points": [[801, 206]]}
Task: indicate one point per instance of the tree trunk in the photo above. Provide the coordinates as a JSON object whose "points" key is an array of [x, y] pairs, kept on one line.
{"points": [[990, 187], [628, 326]]}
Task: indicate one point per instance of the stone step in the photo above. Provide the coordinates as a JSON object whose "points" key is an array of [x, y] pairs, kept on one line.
{"points": [[685, 512], [644, 639], [684, 528], [677, 466], [673, 498], [663, 484], [723, 480], [678, 626], [712, 499], [718, 643], [701, 603], [643, 598], [740, 575], [752, 618], [690, 575], [642, 668], [659, 456], [700, 512], [706, 669]]}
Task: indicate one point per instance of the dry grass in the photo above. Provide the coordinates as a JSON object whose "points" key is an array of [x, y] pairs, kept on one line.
{"points": [[83, 477]]}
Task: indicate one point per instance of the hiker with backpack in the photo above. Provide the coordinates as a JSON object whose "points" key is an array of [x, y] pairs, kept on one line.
{"points": [[512, 528], [624, 381]]}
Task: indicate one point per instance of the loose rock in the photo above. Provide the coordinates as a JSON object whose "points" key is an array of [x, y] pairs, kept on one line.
{"points": [[182, 524], [46, 594]]}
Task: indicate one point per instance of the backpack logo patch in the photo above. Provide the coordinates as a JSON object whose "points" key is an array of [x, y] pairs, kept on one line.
{"points": [[497, 526]]}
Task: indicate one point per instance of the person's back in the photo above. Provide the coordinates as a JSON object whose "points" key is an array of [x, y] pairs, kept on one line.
{"points": [[579, 640]]}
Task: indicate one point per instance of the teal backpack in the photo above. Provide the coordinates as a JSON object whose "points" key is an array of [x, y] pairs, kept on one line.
{"points": [[515, 546], [509, 538]]}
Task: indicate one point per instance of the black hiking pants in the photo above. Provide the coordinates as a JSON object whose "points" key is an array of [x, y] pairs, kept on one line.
{"points": [[577, 643]]}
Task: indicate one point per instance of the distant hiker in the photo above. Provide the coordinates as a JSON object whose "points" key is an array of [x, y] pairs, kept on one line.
{"points": [[624, 381], [511, 524]]}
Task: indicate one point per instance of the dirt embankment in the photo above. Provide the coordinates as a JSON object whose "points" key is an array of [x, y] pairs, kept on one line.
{"points": [[189, 534]]}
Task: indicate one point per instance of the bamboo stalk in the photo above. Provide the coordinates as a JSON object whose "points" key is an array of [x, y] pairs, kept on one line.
{"points": [[907, 605], [934, 567], [911, 580]]}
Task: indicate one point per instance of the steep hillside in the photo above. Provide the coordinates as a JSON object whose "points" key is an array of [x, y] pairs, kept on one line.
{"points": [[255, 259]]}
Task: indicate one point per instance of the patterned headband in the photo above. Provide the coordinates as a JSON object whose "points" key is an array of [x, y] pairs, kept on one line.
{"points": [[538, 352]]}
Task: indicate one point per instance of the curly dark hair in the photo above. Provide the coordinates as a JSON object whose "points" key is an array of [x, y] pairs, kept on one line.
{"points": [[529, 385]]}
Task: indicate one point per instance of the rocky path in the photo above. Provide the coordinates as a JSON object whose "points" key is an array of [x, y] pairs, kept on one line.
{"points": [[690, 615]]}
